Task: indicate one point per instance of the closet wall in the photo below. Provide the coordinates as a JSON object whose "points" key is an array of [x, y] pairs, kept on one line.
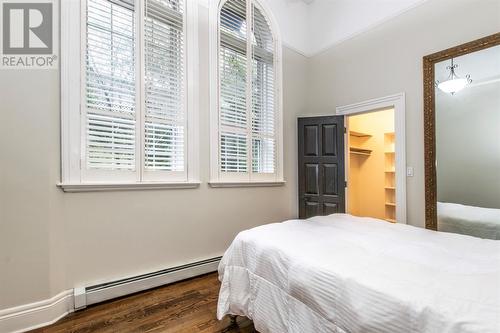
{"points": [[368, 163]]}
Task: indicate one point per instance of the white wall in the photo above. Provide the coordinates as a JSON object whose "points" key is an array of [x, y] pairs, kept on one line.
{"points": [[333, 21], [29, 142], [388, 60], [468, 146], [51, 241]]}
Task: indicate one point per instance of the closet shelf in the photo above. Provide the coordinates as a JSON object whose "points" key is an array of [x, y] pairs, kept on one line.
{"points": [[390, 172], [360, 151], [359, 134]]}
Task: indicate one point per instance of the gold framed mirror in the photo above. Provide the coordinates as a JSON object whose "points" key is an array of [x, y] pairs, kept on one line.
{"points": [[444, 60]]}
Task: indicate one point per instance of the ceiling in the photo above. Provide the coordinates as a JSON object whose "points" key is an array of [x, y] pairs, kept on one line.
{"points": [[311, 26]]}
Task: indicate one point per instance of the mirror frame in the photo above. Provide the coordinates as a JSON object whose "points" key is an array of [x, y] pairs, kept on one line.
{"points": [[430, 120]]}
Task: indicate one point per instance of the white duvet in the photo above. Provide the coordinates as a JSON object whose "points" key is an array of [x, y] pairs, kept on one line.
{"points": [[341, 273]]}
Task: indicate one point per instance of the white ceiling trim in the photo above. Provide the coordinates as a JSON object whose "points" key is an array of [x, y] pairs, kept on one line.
{"points": [[295, 49]]}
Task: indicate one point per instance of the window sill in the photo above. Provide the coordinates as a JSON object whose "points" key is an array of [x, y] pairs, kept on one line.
{"points": [[101, 187], [218, 184]]}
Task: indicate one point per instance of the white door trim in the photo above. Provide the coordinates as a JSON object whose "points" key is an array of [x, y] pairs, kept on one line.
{"points": [[397, 102]]}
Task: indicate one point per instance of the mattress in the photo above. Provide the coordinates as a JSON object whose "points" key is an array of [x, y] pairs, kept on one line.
{"points": [[469, 220], [342, 274]]}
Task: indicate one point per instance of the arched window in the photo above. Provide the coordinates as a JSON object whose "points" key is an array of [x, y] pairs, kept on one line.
{"points": [[246, 103]]}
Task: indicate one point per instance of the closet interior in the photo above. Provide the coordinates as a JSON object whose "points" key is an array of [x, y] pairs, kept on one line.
{"points": [[371, 185]]}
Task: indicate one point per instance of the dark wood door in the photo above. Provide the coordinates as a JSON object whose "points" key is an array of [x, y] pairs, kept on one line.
{"points": [[321, 166]]}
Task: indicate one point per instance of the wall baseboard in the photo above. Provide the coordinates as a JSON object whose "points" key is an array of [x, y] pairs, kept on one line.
{"points": [[38, 314], [42, 313]]}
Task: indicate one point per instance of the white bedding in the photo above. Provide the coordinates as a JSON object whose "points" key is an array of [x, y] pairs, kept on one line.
{"points": [[469, 220], [341, 273]]}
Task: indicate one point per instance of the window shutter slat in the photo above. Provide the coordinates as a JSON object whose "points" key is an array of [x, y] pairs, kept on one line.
{"points": [[263, 107], [233, 19], [164, 86], [232, 83], [110, 85], [233, 88], [233, 152]]}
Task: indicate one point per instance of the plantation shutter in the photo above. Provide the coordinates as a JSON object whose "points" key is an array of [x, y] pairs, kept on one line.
{"points": [[164, 86], [110, 86], [233, 87], [123, 141], [263, 110], [247, 114]]}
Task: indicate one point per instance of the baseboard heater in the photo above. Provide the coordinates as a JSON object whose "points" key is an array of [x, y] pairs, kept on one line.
{"points": [[85, 296]]}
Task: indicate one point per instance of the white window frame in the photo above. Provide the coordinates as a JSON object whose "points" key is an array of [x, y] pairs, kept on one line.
{"points": [[73, 38], [218, 178]]}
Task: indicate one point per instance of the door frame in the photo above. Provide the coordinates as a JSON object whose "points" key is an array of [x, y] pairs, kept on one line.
{"points": [[397, 102]]}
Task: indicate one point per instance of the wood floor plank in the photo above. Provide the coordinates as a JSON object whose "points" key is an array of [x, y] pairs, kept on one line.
{"points": [[185, 307]]}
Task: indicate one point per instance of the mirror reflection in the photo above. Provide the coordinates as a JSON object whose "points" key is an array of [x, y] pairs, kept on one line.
{"points": [[467, 98]]}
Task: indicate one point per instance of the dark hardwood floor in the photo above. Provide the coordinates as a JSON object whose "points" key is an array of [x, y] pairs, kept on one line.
{"points": [[187, 306]]}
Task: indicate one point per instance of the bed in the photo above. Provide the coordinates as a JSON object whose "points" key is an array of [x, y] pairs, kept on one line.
{"points": [[469, 220], [341, 273]]}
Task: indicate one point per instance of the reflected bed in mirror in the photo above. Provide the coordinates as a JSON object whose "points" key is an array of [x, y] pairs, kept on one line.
{"points": [[462, 132]]}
